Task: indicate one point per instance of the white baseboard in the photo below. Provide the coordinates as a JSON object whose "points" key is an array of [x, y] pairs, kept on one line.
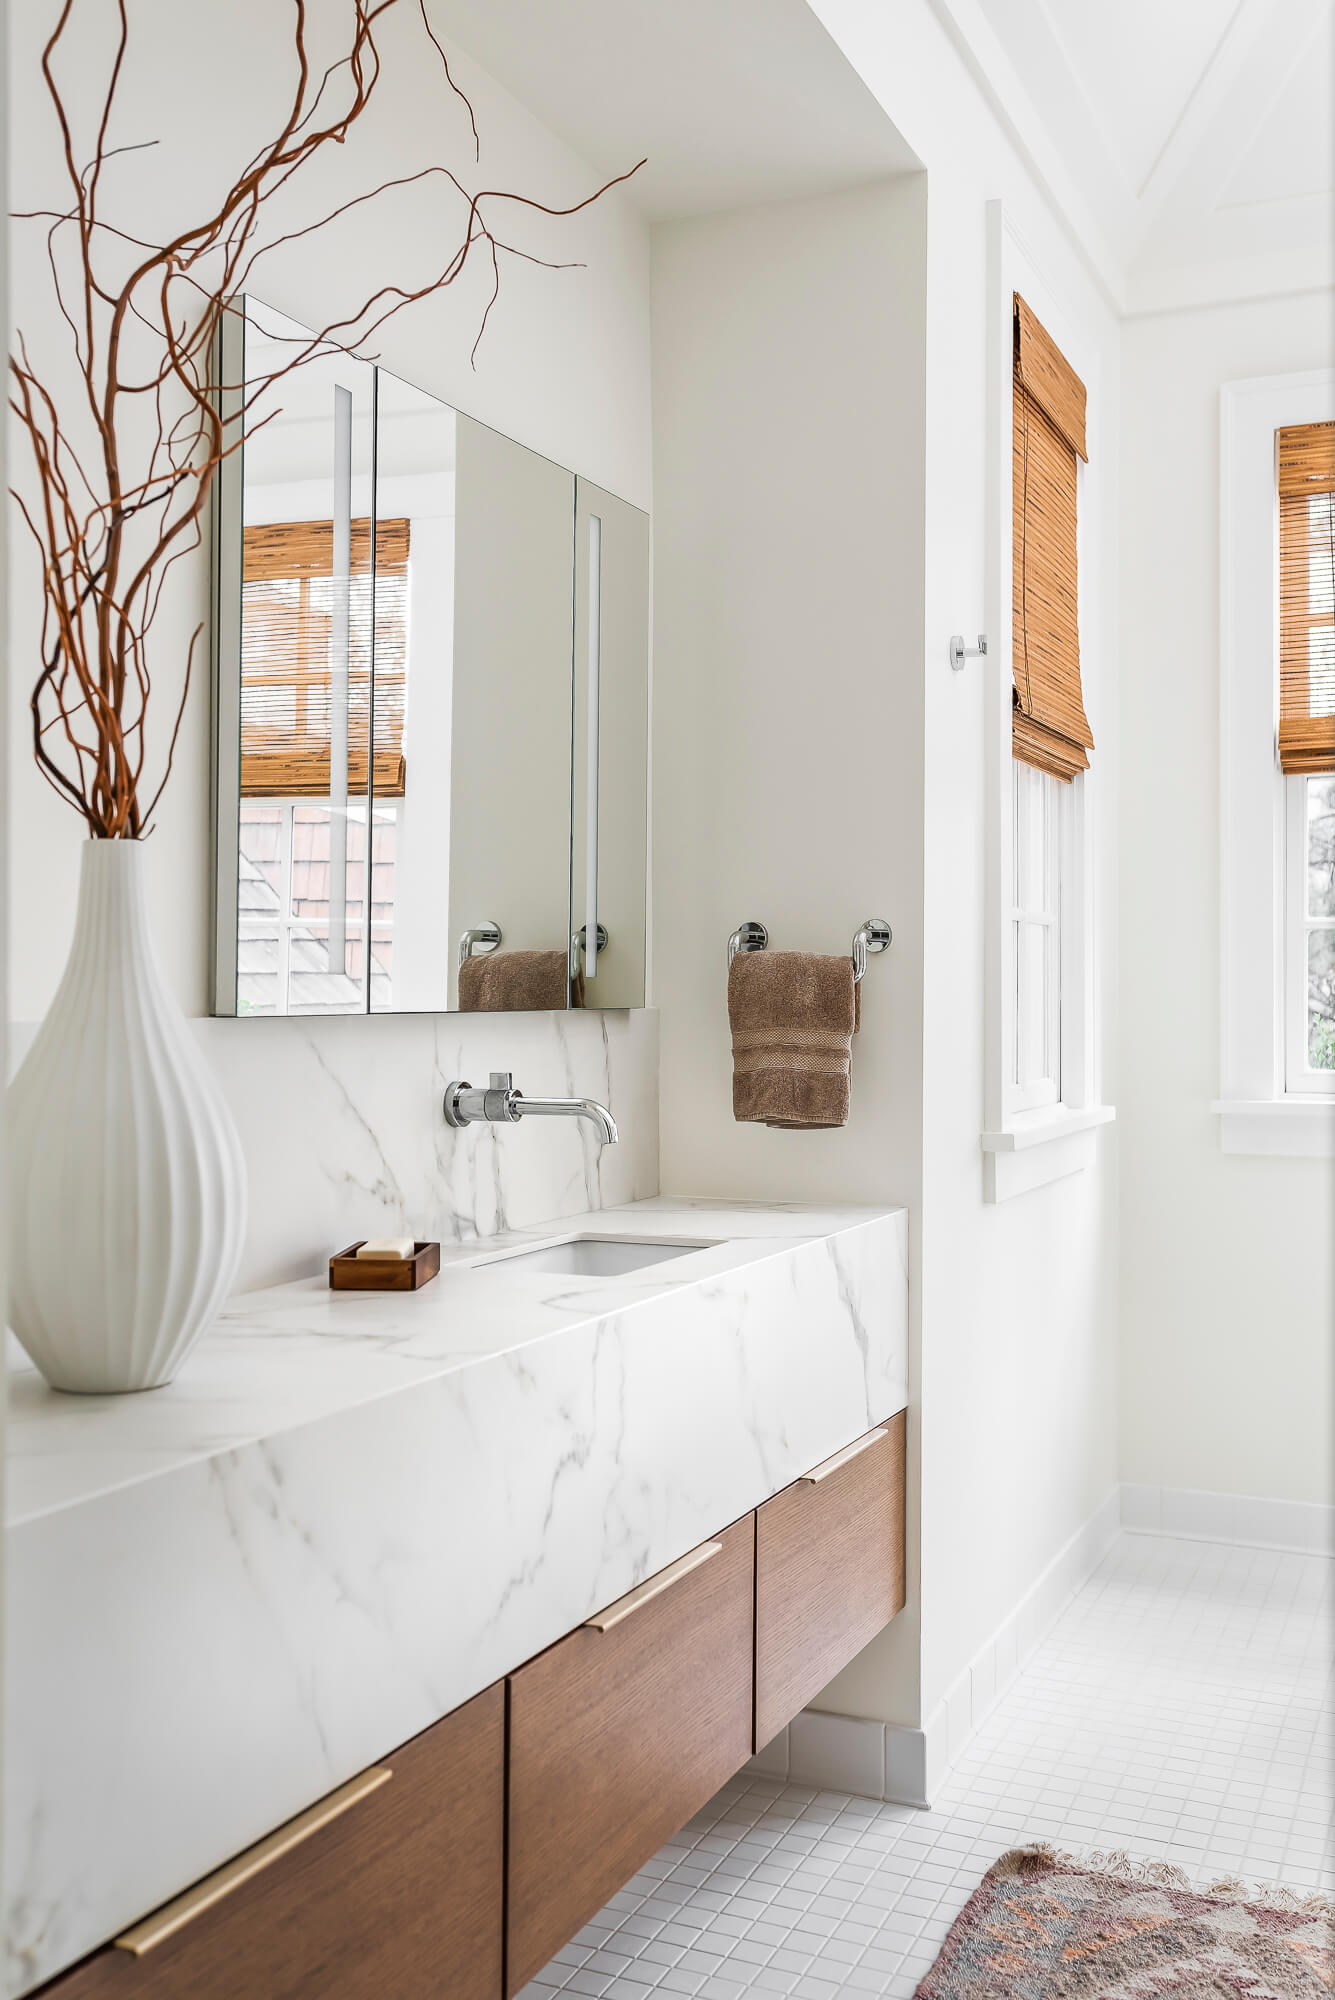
{"points": [[974, 1691], [1305, 1526], [880, 1760], [885, 1760]]}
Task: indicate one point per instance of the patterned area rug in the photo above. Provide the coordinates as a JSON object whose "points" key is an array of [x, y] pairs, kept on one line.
{"points": [[1044, 1926]]}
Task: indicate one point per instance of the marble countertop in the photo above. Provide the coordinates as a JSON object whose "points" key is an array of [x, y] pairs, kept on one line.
{"points": [[352, 1511], [294, 1353]]}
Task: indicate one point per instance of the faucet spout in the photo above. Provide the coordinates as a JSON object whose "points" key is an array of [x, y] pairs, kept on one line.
{"points": [[570, 1107], [502, 1104]]}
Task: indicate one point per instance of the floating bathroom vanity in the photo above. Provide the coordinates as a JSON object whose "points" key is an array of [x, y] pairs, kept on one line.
{"points": [[377, 1651]]}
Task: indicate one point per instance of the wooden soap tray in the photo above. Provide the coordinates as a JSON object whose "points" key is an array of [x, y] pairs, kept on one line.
{"points": [[350, 1273]]}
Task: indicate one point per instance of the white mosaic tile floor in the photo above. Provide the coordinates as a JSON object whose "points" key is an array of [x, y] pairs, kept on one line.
{"points": [[1181, 1708]]}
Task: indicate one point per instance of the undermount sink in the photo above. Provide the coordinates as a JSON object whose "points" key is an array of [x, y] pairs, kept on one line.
{"points": [[599, 1256]]}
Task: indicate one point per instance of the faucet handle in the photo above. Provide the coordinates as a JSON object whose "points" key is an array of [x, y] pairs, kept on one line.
{"points": [[498, 1104]]}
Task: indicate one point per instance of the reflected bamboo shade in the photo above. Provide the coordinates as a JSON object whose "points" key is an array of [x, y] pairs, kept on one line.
{"points": [[287, 605], [1306, 465], [1049, 727]]}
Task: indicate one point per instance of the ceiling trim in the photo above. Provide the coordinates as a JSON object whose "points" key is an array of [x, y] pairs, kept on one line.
{"points": [[1260, 49], [1241, 86], [973, 38], [1203, 102]]}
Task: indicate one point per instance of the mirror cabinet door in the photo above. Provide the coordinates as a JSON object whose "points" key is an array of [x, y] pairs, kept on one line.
{"points": [[410, 713], [609, 847], [509, 848], [294, 784], [394, 706]]}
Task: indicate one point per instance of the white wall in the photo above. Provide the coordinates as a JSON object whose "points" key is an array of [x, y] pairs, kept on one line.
{"points": [[1016, 1374], [564, 367], [1227, 1279], [788, 496], [1019, 1299], [788, 369]]}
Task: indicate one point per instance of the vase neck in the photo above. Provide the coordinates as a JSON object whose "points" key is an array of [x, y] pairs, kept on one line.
{"points": [[111, 888]]}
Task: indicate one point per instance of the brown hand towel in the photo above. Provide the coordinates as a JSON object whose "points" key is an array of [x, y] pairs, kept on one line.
{"points": [[516, 982], [793, 1015]]}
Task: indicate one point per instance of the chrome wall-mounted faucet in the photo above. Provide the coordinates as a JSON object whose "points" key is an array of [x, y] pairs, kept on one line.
{"points": [[501, 1104]]}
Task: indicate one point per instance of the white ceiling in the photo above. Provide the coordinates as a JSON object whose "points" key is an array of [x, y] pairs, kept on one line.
{"points": [[1189, 143], [739, 102], [1198, 134]]}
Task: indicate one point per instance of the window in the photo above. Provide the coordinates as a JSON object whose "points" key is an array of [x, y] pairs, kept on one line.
{"points": [[1277, 760], [1041, 1080], [1036, 940], [1050, 734], [1305, 483]]}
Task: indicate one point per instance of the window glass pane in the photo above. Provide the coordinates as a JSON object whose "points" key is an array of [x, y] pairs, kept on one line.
{"points": [[313, 985], [260, 876], [1321, 999], [1321, 847], [1031, 1009], [258, 954], [384, 844], [1030, 837]]}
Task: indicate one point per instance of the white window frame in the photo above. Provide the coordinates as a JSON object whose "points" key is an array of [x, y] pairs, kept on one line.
{"points": [[1260, 1112], [1299, 1079], [1028, 1144]]}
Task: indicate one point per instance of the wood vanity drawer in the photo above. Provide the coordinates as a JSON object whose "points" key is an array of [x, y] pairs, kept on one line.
{"points": [[401, 1893], [618, 1736], [829, 1572]]}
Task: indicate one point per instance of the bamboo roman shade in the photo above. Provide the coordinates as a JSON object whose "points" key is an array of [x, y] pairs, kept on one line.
{"points": [[1049, 727], [287, 607], [1307, 598]]}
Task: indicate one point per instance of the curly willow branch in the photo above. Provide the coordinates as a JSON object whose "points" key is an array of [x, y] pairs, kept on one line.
{"points": [[113, 517]]}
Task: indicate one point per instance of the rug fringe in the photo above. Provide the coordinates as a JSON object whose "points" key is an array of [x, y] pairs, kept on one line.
{"points": [[1126, 1867]]}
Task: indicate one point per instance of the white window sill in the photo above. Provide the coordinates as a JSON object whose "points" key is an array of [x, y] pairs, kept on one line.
{"points": [[1300, 1128], [1037, 1147]]}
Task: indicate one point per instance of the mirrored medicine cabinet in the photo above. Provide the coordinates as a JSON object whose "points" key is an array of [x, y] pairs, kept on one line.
{"points": [[430, 706]]}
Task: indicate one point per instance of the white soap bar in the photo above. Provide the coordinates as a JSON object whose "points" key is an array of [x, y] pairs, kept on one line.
{"points": [[386, 1247]]}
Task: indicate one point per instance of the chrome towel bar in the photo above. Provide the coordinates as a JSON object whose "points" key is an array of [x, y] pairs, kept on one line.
{"points": [[872, 936]]}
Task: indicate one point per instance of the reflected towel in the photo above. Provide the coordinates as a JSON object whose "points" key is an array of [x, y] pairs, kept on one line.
{"points": [[516, 982], [793, 1016]]}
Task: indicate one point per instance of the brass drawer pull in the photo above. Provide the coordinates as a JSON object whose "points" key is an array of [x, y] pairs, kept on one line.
{"points": [[829, 1465], [174, 1915], [603, 1621]]}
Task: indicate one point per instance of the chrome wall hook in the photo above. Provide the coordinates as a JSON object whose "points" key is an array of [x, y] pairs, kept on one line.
{"points": [[959, 652], [749, 936], [874, 936], [579, 942], [484, 937]]}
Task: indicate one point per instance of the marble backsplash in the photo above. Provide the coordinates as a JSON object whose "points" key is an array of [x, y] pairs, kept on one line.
{"points": [[341, 1123]]}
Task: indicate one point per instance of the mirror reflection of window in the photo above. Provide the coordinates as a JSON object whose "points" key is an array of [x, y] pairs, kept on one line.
{"points": [[291, 603], [288, 604], [306, 644]]}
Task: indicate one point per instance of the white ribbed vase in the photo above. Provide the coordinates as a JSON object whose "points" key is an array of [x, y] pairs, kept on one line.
{"points": [[127, 1201]]}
